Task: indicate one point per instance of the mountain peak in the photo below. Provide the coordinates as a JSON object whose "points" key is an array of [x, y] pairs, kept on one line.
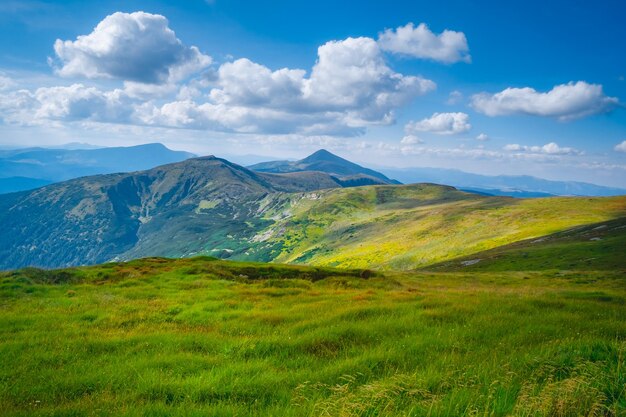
{"points": [[325, 161], [322, 155], [322, 152]]}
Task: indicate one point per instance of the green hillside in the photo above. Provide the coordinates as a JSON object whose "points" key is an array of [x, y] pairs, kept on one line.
{"points": [[597, 247], [172, 210], [198, 337], [411, 226], [209, 206]]}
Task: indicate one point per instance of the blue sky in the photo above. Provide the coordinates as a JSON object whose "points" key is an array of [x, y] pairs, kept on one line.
{"points": [[485, 86]]}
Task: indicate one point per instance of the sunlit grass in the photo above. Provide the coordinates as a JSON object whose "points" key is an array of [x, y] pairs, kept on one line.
{"points": [[206, 337], [413, 226]]}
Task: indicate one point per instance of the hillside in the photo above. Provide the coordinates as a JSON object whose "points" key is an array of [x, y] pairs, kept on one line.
{"points": [[597, 247], [211, 206], [40, 166], [207, 337], [348, 173], [95, 219], [411, 226]]}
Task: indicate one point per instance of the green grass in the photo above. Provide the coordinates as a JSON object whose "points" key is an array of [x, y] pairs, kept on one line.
{"points": [[597, 246], [413, 226], [201, 337]]}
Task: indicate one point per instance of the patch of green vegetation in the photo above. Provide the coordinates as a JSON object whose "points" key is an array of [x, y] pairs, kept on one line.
{"points": [[201, 336], [207, 205], [598, 246]]}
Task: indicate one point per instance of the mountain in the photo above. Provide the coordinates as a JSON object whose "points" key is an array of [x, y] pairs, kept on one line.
{"points": [[348, 173], [56, 164], [503, 185], [13, 184], [214, 207], [171, 209]]}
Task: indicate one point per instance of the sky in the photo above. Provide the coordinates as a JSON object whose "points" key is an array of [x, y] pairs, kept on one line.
{"points": [[490, 87]]}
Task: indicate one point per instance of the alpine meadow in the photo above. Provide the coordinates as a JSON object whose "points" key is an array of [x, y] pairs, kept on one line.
{"points": [[272, 208]]}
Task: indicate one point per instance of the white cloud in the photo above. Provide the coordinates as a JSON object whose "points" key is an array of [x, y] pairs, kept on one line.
{"points": [[352, 74], [136, 47], [482, 137], [79, 102], [549, 149], [621, 147], [75, 102], [441, 124], [513, 153], [6, 83], [242, 119], [149, 91], [419, 42], [349, 88], [454, 97], [564, 102], [246, 83], [17, 106], [411, 140], [350, 77]]}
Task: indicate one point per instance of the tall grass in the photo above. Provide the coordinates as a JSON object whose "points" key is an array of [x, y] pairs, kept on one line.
{"points": [[205, 337]]}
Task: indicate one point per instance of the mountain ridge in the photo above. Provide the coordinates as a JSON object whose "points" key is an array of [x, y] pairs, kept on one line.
{"points": [[211, 206], [66, 220], [325, 161], [503, 185], [60, 164]]}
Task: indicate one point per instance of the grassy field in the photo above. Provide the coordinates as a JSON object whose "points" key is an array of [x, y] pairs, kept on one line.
{"points": [[201, 337], [413, 226]]}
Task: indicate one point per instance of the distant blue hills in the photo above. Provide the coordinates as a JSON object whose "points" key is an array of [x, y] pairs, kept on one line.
{"points": [[503, 185], [29, 168]]}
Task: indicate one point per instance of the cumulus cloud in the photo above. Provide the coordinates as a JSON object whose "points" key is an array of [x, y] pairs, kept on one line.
{"points": [[242, 119], [411, 140], [441, 124], [136, 47], [549, 149], [66, 103], [352, 73], [6, 83], [454, 97], [419, 42], [350, 77], [621, 147], [482, 137], [349, 88], [564, 102], [246, 83]]}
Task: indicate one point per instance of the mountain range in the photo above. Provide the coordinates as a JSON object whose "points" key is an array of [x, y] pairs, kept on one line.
{"points": [[211, 206], [522, 186], [27, 168]]}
